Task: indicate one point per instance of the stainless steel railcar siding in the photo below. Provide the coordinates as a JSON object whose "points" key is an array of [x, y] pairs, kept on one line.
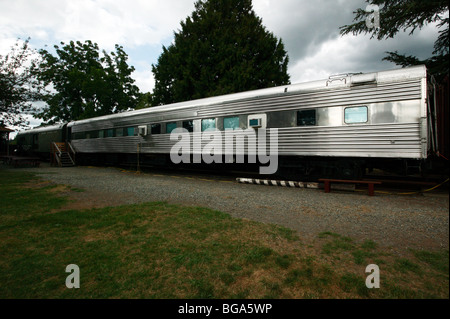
{"points": [[396, 125]]}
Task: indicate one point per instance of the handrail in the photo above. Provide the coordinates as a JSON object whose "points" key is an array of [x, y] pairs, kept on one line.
{"points": [[63, 153], [72, 150], [58, 156], [71, 147]]}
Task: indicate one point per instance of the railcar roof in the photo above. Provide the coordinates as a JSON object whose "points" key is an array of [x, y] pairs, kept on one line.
{"points": [[347, 81], [333, 82], [43, 129]]}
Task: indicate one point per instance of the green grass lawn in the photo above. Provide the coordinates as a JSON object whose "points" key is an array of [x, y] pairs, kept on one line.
{"points": [[158, 250]]}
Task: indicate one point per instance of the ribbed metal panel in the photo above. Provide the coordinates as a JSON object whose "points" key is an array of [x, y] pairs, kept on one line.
{"points": [[337, 97], [395, 128], [390, 92], [394, 140], [107, 145]]}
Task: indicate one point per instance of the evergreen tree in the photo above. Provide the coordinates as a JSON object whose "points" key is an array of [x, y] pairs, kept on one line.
{"points": [[221, 48], [402, 15]]}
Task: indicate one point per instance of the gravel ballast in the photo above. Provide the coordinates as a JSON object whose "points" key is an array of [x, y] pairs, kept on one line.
{"points": [[399, 221]]}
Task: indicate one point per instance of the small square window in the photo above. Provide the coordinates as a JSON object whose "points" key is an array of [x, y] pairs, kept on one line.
{"points": [[119, 131], [75, 136], [93, 134], [129, 131], [188, 125], [306, 118], [110, 132], [231, 123], [156, 128], [208, 124], [170, 127], [354, 115]]}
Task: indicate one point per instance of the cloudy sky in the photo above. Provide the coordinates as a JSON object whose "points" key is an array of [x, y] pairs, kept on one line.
{"points": [[309, 29]]}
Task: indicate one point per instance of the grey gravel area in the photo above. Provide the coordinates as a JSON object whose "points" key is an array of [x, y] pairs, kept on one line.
{"points": [[402, 222]]}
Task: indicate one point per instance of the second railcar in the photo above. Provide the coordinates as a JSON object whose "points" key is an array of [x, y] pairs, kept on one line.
{"points": [[38, 141]]}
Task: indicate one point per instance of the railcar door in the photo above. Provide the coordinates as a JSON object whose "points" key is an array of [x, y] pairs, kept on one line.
{"points": [[35, 142], [69, 134], [66, 133]]}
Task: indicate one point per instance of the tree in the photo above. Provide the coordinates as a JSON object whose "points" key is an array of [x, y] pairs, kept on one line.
{"points": [[83, 83], [144, 101], [18, 86], [221, 48], [401, 15]]}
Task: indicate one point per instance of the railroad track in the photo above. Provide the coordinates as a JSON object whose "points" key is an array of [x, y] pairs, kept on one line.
{"points": [[390, 183]]}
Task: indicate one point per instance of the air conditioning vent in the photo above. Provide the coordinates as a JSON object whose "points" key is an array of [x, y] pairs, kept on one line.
{"points": [[254, 123], [142, 130], [257, 121]]}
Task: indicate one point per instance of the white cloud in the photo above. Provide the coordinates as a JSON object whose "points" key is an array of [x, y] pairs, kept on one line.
{"points": [[310, 32], [309, 29], [134, 24], [33, 122], [334, 56], [144, 77], [350, 53], [107, 22]]}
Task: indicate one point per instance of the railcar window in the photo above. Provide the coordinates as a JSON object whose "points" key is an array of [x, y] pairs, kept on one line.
{"points": [[110, 132], [129, 131], [306, 117], [92, 134], [101, 134], [155, 128], [78, 135], [208, 124], [119, 132], [170, 127], [354, 115], [188, 125], [231, 123]]}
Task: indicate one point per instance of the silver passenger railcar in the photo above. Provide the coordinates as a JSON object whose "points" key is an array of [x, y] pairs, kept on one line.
{"points": [[338, 126]]}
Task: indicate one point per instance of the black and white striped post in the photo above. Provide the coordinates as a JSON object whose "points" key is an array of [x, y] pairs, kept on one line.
{"points": [[271, 182]]}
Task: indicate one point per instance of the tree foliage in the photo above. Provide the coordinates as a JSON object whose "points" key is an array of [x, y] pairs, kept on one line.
{"points": [[18, 86], [144, 101], [403, 15], [83, 83], [221, 48]]}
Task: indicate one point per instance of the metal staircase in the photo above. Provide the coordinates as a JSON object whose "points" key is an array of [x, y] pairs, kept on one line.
{"points": [[63, 154]]}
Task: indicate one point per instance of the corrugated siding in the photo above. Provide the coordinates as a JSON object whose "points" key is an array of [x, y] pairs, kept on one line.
{"points": [[389, 140], [393, 140], [410, 90], [338, 97], [401, 140]]}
